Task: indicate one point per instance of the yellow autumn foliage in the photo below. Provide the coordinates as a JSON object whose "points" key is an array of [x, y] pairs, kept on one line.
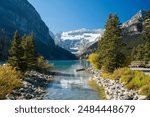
{"points": [[9, 79], [94, 60]]}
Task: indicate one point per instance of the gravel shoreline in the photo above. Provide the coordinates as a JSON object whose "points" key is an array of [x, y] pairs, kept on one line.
{"points": [[114, 90], [34, 87]]}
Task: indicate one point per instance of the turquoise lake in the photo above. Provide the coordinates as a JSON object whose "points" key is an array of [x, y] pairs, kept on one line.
{"points": [[69, 84]]}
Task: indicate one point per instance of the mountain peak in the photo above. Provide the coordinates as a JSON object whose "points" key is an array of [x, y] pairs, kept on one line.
{"points": [[139, 15], [134, 25], [77, 40]]}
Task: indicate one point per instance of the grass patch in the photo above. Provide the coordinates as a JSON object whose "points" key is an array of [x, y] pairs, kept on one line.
{"points": [[145, 90], [10, 79], [99, 89]]}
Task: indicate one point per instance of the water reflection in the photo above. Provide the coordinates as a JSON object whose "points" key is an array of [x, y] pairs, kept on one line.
{"points": [[69, 84]]}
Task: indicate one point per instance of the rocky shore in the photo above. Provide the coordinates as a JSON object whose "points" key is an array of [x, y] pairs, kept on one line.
{"points": [[114, 90], [34, 87]]}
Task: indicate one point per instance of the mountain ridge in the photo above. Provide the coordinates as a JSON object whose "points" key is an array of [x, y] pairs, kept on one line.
{"points": [[77, 40], [20, 15], [134, 24]]}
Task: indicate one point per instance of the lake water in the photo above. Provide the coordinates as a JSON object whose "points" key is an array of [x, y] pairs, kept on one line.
{"points": [[69, 84]]}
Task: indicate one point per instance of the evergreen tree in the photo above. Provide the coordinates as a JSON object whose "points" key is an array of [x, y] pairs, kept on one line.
{"points": [[141, 52], [29, 56], [15, 52], [22, 55], [110, 45], [138, 53]]}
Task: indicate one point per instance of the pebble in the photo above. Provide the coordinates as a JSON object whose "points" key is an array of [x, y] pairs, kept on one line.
{"points": [[34, 87]]}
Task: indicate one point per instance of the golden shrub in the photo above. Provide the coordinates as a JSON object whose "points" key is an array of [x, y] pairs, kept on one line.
{"points": [[94, 60], [43, 65], [9, 79]]}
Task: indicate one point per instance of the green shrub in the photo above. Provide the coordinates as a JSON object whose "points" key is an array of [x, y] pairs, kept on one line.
{"points": [[10, 79], [43, 65], [127, 76], [118, 73]]}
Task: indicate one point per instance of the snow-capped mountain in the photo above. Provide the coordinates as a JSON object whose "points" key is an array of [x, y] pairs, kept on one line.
{"points": [[78, 40]]}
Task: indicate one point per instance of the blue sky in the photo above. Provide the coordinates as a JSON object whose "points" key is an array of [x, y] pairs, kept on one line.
{"points": [[66, 15]]}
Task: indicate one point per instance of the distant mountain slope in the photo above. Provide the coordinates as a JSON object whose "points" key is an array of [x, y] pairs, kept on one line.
{"points": [[78, 40], [88, 51], [21, 15]]}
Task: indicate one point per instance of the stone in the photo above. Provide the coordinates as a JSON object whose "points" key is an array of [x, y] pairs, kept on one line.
{"points": [[115, 90], [135, 97], [142, 97], [29, 96], [34, 88]]}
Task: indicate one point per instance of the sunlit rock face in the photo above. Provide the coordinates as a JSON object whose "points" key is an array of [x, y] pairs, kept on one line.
{"points": [[134, 25]]}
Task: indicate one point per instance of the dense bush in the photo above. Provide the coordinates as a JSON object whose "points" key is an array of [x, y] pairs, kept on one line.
{"points": [[118, 73], [9, 79], [43, 65], [94, 60]]}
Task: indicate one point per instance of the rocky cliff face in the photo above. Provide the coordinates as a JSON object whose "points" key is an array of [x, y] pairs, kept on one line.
{"points": [[21, 15], [134, 25]]}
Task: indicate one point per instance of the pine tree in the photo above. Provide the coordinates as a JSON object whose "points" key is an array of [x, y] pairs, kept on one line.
{"points": [[15, 52], [29, 56], [138, 52], [141, 52], [110, 44]]}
